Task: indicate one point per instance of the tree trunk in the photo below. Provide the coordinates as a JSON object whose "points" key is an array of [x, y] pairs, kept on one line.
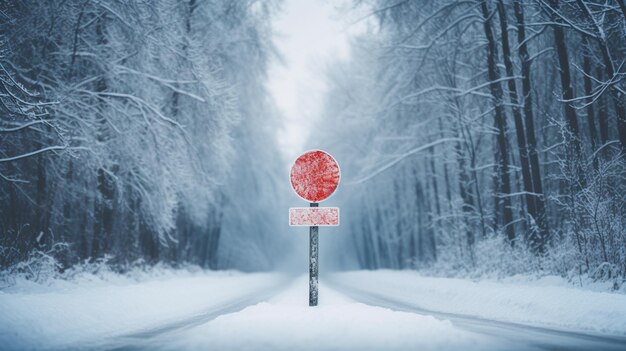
{"points": [[468, 204], [567, 93], [588, 91], [446, 179], [609, 68], [502, 157], [603, 120], [517, 115], [434, 181], [103, 211], [541, 221]]}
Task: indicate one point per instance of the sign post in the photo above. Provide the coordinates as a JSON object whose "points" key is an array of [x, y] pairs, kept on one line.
{"points": [[314, 177], [313, 255]]}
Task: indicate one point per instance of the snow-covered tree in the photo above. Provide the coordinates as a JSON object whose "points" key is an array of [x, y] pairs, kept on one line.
{"points": [[124, 123], [467, 124]]}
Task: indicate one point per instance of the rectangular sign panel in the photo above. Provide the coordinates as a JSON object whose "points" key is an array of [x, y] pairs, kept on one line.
{"points": [[314, 216]]}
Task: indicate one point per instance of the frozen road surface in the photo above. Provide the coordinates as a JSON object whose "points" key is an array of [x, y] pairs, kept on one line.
{"points": [[381, 310]]}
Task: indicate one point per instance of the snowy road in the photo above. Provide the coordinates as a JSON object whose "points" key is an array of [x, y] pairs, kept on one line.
{"points": [[286, 322], [358, 311], [356, 319], [145, 339], [514, 335]]}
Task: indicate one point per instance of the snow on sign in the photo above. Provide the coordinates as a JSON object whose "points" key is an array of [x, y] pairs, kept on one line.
{"points": [[314, 177], [319, 216]]}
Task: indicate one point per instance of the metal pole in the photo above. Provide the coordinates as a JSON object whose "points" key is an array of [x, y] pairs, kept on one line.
{"points": [[313, 253]]}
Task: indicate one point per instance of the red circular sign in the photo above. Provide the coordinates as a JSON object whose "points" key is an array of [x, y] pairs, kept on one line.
{"points": [[315, 176]]}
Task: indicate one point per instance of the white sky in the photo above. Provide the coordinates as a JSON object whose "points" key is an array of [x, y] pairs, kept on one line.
{"points": [[308, 34]]}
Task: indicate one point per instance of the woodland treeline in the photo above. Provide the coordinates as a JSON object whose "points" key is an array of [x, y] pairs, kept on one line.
{"points": [[136, 130], [485, 137]]}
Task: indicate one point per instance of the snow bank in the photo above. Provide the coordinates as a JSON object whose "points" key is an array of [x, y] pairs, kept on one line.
{"points": [[63, 314], [543, 302], [286, 322]]}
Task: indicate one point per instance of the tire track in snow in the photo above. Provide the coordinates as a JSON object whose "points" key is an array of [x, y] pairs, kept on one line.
{"points": [[147, 339], [520, 336]]}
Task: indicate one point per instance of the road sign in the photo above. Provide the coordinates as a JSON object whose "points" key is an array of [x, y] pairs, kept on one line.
{"points": [[319, 216], [314, 177]]}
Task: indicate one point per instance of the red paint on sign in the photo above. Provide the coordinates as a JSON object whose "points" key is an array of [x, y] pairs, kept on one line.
{"points": [[315, 176], [317, 216]]}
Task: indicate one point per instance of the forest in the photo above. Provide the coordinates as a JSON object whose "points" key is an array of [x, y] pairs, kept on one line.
{"points": [[485, 138], [476, 137], [136, 131], [159, 159]]}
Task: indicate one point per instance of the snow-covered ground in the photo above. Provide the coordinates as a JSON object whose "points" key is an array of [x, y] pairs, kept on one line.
{"points": [[546, 302], [72, 314], [286, 322], [182, 310]]}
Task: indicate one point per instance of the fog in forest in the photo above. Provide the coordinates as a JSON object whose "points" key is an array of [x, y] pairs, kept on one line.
{"points": [[475, 138], [148, 199]]}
